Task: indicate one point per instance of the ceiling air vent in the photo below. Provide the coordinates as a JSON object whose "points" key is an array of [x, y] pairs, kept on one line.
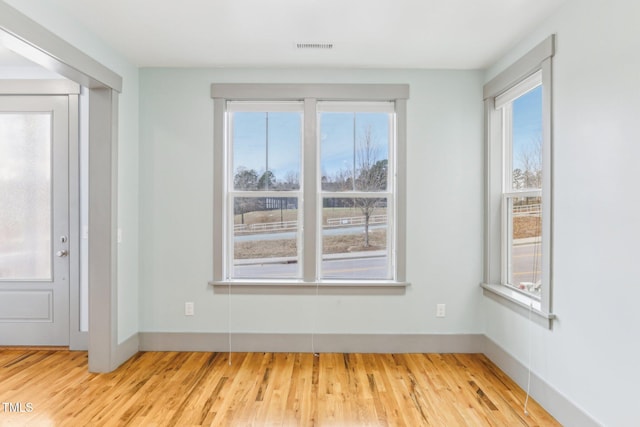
{"points": [[314, 45]]}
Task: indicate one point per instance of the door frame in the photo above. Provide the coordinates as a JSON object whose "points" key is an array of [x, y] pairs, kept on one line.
{"points": [[31, 40], [46, 87]]}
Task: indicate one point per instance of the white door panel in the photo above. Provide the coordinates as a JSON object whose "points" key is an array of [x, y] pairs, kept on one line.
{"points": [[34, 220]]}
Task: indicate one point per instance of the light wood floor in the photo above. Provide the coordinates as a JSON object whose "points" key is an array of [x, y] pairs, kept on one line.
{"points": [[260, 389]]}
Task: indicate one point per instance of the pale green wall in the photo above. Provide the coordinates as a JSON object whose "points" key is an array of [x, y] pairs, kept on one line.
{"points": [[591, 355], [444, 210], [74, 32]]}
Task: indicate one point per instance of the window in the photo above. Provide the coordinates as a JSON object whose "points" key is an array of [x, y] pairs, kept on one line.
{"points": [[518, 210], [307, 188], [264, 142], [357, 197], [521, 109]]}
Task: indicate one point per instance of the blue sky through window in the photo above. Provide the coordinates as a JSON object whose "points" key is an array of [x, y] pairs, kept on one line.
{"points": [[337, 146], [527, 125], [284, 139]]}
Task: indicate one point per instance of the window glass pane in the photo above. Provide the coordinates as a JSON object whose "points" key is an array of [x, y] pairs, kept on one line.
{"points": [[354, 151], [526, 244], [266, 150], [354, 238], [265, 237], [25, 196], [527, 140]]}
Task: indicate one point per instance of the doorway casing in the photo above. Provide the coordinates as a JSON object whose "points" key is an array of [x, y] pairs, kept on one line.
{"points": [[31, 40]]}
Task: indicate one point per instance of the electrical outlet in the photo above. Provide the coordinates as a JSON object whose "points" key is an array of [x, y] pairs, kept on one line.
{"points": [[189, 309], [441, 310]]}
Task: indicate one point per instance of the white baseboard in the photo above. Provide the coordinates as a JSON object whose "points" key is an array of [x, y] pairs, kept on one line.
{"points": [[126, 349], [318, 343], [79, 341], [554, 402]]}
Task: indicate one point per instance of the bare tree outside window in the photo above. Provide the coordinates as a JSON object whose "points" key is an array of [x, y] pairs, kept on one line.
{"points": [[371, 176], [531, 160], [291, 181]]}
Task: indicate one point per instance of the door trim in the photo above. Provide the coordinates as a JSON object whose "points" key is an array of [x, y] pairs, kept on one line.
{"points": [[30, 39], [78, 340], [39, 87]]}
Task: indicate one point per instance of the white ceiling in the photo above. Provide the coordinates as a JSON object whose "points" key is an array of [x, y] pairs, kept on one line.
{"points": [[458, 34]]}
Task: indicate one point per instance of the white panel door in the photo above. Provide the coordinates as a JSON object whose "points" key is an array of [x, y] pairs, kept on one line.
{"points": [[34, 220]]}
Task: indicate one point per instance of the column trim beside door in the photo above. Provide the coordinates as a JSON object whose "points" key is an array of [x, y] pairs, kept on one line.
{"points": [[103, 214]]}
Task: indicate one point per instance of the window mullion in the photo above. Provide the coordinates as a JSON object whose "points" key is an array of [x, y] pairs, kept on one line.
{"points": [[309, 191], [266, 193], [523, 193], [357, 194]]}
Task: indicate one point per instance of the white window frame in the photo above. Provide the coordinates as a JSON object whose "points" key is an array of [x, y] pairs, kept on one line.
{"points": [[504, 103], [311, 95], [271, 107], [390, 193], [516, 80]]}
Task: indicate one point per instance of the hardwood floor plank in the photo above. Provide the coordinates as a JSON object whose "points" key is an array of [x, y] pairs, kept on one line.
{"points": [[261, 389]]}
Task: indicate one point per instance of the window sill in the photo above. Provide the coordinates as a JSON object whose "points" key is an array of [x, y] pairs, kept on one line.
{"points": [[299, 286], [519, 302]]}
